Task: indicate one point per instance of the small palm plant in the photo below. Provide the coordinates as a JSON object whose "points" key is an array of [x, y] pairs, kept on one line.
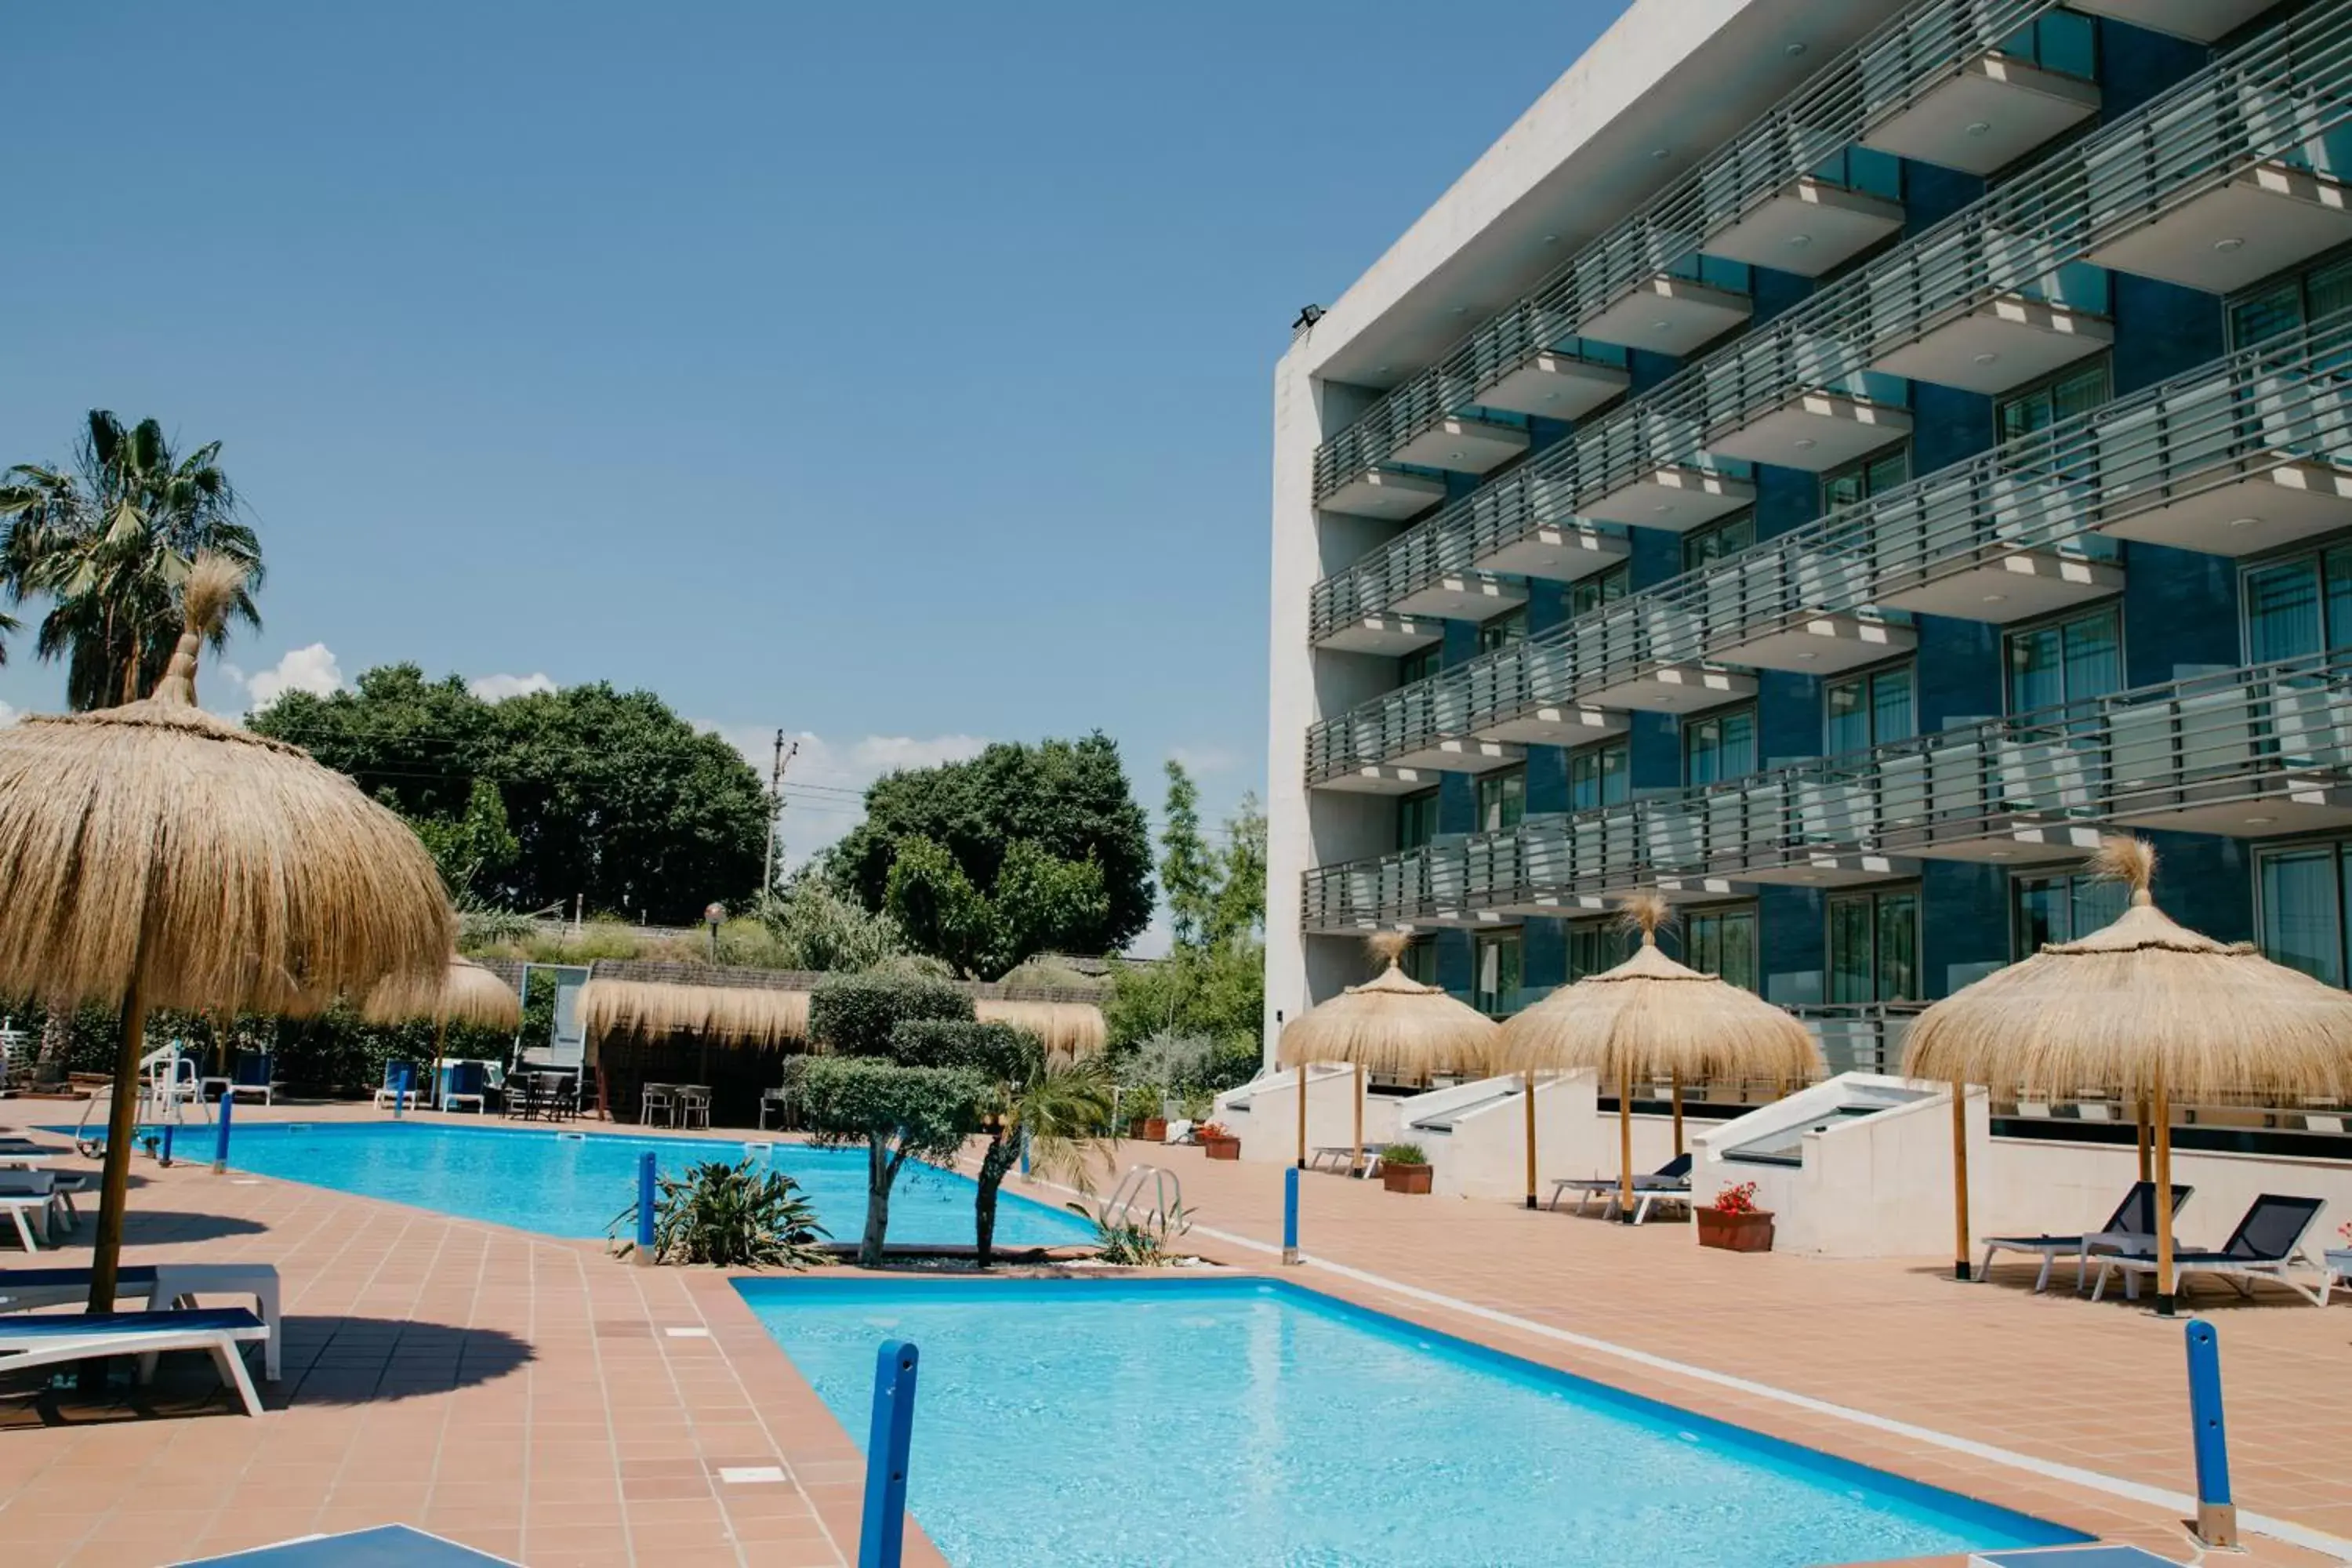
{"points": [[737, 1216], [1133, 1240]]}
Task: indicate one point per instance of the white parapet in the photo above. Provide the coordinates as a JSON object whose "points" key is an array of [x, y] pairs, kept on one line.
{"points": [[1263, 1113], [1475, 1136]]}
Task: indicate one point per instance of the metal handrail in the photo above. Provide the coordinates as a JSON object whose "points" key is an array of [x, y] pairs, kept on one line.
{"points": [[2222, 739], [2285, 398], [1877, 77], [2270, 100]]}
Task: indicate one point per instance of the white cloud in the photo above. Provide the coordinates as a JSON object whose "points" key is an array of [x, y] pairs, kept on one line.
{"points": [[1199, 760], [825, 785], [313, 670], [498, 688]]}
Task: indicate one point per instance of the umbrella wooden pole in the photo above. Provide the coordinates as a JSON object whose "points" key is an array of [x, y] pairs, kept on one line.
{"points": [[114, 1184], [1528, 1094], [1355, 1160], [1302, 1116], [2139, 1131], [1959, 1181], [2161, 1112], [1675, 1089], [1625, 1144]]}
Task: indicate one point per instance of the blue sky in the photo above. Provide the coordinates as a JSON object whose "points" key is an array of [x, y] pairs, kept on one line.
{"points": [[895, 374]]}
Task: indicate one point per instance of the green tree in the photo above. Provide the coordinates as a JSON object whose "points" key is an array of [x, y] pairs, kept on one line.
{"points": [[1187, 873], [476, 846], [1039, 903], [610, 797], [108, 540], [816, 927], [1238, 914], [871, 1093], [1212, 983], [1067, 801]]}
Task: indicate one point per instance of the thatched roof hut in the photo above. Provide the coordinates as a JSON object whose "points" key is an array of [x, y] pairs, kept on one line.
{"points": [[463, 994], [1071, 1031], [640, 1010]]}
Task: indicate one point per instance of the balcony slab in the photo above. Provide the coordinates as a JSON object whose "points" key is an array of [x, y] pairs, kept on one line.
{"points": [[1814, 431], [2270, 502], [1463, 445], [1676, 689], [1674, 498], [1999, 842], [2242, 808], [1808, 227], [1390, 636], [1464, 596], [1462, 754], [1834, 869], [2000, 344], [1559, 553], [1383, 779], [1988, 115], [1385, 493], [1556, 386], [1558, 726], [2015, 585], [1823, 645], [2263, 221], [2198, 21], [1668, 316]]}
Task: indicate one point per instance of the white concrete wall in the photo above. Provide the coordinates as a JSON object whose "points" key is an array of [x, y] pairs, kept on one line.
{"points": [[1484, 1154], [1265, 1114]]}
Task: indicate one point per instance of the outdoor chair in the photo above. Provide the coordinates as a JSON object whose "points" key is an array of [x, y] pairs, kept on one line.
{"points": [[2267, 1243], [1342, 1159], [778, 1100], [254, 1073], [1670, 1183], [694, 1105], [22, 1153], [464, 1083], [29, 1212], [55, 1187], [60, 1338], [557, 1095], [2131, 1229], [399, 1089], [158, 1286], [658, 1105]]}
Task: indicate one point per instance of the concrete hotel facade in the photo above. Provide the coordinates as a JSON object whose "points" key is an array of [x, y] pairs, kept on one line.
{"points": [[1829, 460]]}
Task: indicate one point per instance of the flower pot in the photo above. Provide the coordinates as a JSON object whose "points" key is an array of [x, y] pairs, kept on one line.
{"points": [[1223, 1148], [1149, 1129], [1734, 1232], [1405, 1178]]}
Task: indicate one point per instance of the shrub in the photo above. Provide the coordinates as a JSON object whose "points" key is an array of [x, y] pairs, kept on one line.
{"points": [[1134, 1241], [858, 1015], [1208, 1132], [1403, 1154], [737, 1216], [998, 1052]]}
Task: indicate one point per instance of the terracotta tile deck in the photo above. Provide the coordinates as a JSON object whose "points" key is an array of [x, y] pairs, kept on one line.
{"points": [[520, 1395]]}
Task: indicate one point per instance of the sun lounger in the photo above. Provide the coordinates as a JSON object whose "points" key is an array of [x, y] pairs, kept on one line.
{"points": [[2267, 1243], [30, 1214], [2131, 1229], [1343, 1158], [59, 1338], [1670, 1183], [54, 1188], [160, 1286]]}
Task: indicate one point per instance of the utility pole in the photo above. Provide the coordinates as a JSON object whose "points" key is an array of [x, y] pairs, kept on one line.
{"points": [[775, 809]]}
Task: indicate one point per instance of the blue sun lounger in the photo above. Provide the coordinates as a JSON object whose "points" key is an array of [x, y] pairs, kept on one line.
{"points": [[59, 1338]]}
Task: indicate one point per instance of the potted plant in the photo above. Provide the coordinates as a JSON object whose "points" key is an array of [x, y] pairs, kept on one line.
{"points": [[1218, 1140], [1150, 1120], [1735, 1224], [1404, 1168]]}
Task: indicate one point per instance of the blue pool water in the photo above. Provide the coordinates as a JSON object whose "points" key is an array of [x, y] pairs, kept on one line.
{"points": [[559, 1184], [1238, 1423]]}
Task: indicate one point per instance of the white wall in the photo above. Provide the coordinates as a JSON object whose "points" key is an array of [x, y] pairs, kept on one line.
{"points": [[1265, 1114], [1484, 1154]]}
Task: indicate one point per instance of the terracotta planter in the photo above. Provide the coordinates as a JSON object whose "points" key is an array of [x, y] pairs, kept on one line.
{"points": [[1405, 1178], [1734, 1232], [1149, 1129], [1223, 1148]]}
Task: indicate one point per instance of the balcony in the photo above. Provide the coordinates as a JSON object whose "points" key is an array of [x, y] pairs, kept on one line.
{"points": [[2237, 232], [1464, 596], [1463, 443], [1556, 551], [1556, 384], [1674, 496], [1999, 344], [1668, 315], [1389, 494], [1808, 226], [1527, 694], [1983, 117], [2198, 21], [1990, 540], [1388, 635], [1814, 431]]}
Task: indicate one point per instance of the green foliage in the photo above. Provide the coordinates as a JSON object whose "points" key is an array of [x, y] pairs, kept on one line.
{"points": [[477, 845], [859, 1014], [1135, 1241], [107, 540], [735, 1216], [922, 1113], [998, 1052], [1403, 1154], [1217, 994], [1061, 1114], [1052, 972], [1067, 801], [816, 926], [1187, 874], [1240, 912]]}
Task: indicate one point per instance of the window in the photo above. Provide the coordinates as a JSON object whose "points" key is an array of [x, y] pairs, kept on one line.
{"points": [[2291, 302], [1863, 169], [2302, 891], [2060, 909], [1859, 481], [1600, 775], [2060, 397], [1865, 711], [1499, 955], [2300, 605], [1416, 819], [1419, 665], [1587, 595], [1502, 799], [1505, 629], [1723, 942], [1593, 948], [1419, 962], [1717, 540], [1735, 277], [1719, 746], [2068, 661], [2061, 41], [1874, 941]]}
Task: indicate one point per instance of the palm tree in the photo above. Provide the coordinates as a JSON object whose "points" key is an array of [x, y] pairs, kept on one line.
{"points": [[1062, 1113], [109, 541]]}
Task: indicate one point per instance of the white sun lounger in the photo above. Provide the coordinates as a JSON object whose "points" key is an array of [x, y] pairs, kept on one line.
{"points": [[158, 1286], [30, 1211], [60, 1338]]}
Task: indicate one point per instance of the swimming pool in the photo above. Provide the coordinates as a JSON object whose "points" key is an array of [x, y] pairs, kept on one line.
{"points": [[1242, 1422], [572, 1183]]}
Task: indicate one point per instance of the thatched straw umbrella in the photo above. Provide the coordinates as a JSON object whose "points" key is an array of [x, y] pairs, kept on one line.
{"points": [[154, 856], [2147, 1006], [463, 993], [644, 1010], [1651, 1016], [1389, 1024], [1071, 1031]]}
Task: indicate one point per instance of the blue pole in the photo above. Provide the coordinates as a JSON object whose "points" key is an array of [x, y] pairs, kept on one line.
{"points": [[645, 1206], [2217, 1517], [164, 1157], [399, 1086], [1290, 1214], [220, 1138], [882, 1535]]}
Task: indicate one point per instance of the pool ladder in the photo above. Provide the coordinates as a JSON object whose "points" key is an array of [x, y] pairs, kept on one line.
{"points": [[1148, 1193]]}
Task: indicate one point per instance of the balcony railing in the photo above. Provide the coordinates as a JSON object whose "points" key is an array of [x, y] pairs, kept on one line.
{"points": [[1805, 134], [2278, 97], [2252, 745], [2286, 398]]}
